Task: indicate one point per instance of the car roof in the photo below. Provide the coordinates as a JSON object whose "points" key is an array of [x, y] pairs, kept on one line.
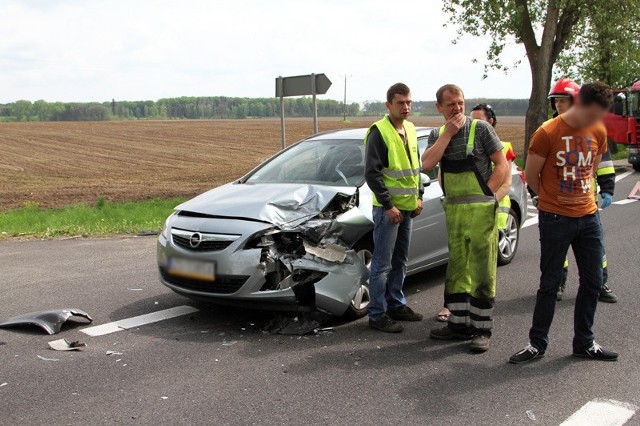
{"points": [[358, 134]]}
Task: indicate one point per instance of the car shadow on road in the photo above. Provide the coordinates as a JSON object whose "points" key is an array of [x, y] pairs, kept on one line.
{"points": [[220, 323]]}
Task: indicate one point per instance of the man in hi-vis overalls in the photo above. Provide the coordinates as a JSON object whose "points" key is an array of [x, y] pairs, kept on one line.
{"points": [[473, 167]]}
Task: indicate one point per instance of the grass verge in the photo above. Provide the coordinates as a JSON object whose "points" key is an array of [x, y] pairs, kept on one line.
{"points": [[104, 218]]}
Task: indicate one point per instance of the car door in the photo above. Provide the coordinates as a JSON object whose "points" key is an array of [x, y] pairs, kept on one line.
{"points": [[429, 234]]}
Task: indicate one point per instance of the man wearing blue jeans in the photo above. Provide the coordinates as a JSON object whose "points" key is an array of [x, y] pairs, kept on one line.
{"points": [[563, 156], [392, 171]]}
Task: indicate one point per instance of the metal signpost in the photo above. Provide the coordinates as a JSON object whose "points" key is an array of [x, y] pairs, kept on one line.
{"points": [[301, 85]]}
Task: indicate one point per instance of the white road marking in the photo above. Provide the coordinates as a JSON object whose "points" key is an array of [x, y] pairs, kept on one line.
{"points": [[530, 222], [625, 201], [127, 323], [533, 219], [601, 412], [623, 175]]}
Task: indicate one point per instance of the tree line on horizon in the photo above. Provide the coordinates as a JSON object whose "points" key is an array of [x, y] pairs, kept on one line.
{"points": [[218, 107]]}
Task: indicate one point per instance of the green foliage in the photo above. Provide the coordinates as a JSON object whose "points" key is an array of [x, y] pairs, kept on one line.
{"points": [[543, 27], [606, 45], [104, 219], [171, 108], [502, 107]]}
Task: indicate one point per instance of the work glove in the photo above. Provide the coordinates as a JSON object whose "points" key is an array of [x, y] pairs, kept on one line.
{"points": [[605, 200]]}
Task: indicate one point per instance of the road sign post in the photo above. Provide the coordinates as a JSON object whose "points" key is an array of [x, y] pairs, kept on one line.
{"points": [[301, 85], [280, 93]]}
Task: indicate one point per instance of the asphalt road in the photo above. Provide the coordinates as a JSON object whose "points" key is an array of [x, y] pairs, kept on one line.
{"points": [[217, 366]]}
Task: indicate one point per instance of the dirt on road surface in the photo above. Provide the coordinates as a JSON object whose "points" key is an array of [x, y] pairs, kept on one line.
{"points": [[60, 163]]}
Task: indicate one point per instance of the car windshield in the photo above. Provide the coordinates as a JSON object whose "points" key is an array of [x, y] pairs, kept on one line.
{"points": [[321, 162]]}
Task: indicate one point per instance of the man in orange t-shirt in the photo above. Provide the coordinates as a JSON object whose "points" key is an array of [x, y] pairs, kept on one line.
{"points": [[563, 156]]}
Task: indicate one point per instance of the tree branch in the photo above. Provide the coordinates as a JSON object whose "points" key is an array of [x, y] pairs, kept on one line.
{"points": [[527, 34]]}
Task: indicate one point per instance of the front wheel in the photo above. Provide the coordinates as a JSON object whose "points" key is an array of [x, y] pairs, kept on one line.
{"points": [[358, 306], [508, 239], [636, 166]]}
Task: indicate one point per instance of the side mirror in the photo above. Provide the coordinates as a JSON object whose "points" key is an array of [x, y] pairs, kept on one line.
{"points": [[425, 179]]}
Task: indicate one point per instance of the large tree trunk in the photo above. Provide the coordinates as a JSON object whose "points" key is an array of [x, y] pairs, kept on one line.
{"points": [[537, 113]]}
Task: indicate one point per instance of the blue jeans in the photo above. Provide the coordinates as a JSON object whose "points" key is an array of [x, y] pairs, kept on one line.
{"points": [[584, 236], [389, 263]]}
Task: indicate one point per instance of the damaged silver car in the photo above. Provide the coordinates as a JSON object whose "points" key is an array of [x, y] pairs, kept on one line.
{"points": [[295, 233]]}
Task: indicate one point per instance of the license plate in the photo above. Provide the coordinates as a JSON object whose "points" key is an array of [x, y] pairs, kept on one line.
{"points": [[189, 268]]}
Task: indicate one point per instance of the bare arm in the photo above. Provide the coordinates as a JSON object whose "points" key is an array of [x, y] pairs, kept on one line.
{"points": [[499, 172], [505, 188], [532, 170], [432, 155]]}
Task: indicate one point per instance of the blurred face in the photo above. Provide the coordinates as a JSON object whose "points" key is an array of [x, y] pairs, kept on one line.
{"points": [[452, 104], [480, 114], [563, 105], [587, 116], [400, 107]]}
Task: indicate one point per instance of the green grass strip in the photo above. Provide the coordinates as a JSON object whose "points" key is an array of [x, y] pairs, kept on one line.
{"points": [[104, 218]]}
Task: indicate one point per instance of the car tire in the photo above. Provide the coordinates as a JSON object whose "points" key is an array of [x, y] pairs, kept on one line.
{"points": [[508, 240], [636, 166], [358, 306]]}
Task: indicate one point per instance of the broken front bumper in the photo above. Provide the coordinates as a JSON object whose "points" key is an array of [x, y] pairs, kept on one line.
{"points": [[261, 269]]}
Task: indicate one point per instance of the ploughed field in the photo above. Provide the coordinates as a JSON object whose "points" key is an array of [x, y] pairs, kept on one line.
{"points": [[62, 163]]}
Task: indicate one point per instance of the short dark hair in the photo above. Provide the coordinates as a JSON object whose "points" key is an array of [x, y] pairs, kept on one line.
{"points": [[597, 93], [456, 90], [488, 112], [397, 89]]}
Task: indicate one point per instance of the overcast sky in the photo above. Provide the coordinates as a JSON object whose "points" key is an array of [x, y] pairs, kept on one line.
{"points": [[86, 50]]}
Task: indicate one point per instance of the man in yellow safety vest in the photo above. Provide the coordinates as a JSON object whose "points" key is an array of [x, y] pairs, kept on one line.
{"points": [[392, 172]]}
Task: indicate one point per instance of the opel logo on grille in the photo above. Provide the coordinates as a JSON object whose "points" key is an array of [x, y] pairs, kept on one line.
{"points": [[195, 240]]}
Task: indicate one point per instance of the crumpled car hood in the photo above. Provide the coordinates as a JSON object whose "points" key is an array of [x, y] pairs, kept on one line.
{"points": [[284, 205], [49, 321]]}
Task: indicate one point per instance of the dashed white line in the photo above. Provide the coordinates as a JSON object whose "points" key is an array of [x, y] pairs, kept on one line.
{"points": [[127, 323], [623, 175], [530, 222], [625, 201], [601, 412]]}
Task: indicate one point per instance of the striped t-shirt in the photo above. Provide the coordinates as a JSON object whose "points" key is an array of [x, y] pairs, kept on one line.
{"points": [[486, 144]]}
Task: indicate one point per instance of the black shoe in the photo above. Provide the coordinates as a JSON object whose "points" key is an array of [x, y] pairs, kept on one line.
{"points": [[596, 352], [479, 343], [386, 324], [527, 354], [560, 293], [446, 333], [405, 313], [607, 296]]}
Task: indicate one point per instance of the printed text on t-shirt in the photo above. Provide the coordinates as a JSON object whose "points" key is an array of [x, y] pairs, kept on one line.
{"points": [[575, 164]]}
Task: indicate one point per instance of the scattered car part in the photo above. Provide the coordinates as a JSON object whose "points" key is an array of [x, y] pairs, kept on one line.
{"points": [[47, 359], [49, 321], [65, 345]]}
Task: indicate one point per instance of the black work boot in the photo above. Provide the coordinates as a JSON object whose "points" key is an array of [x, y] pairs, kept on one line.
{"points": [[404, 313], [386, 324], [607, 296], [563, 284]]}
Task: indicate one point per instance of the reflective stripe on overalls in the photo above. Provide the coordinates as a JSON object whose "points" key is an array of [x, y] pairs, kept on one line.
{"points": [[470, 209], [504, 207]]}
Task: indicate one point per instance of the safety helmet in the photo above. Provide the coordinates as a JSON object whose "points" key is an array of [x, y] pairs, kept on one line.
{"points": [[564, 88]]}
